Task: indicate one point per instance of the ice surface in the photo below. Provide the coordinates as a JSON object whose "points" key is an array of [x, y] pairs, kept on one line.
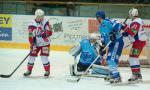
{"points": [[10, 58]]}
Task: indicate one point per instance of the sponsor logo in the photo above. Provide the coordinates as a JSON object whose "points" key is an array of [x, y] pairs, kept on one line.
{"points": [[6, 34], [5, 27], [92, 25], [56, 27], [5, 20]]}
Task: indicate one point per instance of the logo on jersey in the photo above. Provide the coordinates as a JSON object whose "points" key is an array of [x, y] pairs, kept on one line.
{"points": [[135, 51]]}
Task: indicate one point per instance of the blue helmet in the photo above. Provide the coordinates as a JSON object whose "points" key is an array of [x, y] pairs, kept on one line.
{"points": [[100, 14]]}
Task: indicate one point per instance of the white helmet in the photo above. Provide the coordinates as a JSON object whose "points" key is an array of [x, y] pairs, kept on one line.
{"points": [[133, 12], [93, 36], [39, 12]]}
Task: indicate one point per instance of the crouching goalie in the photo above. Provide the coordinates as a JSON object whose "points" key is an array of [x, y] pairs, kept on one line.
{"points": [[88, 49]]}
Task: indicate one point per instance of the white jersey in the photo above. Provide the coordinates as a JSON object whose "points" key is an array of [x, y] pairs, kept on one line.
{"points": [[141, 34], [40, 28]]}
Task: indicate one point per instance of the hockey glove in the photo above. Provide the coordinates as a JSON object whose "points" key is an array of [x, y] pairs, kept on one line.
{"points": [[33, 45], [34, 41], [125, 27], [112, 36], [125, 34], [101, 51], [43, 34]]}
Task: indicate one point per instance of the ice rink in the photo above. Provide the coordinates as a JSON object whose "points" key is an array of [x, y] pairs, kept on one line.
{"points": [[10, 58]]}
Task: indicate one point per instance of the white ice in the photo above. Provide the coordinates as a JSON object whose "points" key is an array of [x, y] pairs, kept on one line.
{"points": [[10, 58]]}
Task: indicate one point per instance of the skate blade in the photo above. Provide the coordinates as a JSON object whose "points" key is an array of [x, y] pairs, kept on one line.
{"points": [[72, 79], [38, 77], [122, 84], [135, 82]]}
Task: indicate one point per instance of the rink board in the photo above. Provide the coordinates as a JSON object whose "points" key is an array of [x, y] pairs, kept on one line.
{"points": [[67, 31]]}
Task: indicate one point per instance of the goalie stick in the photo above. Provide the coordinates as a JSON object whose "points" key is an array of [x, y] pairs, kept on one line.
{"points": [[9, 75], [77, 79]]}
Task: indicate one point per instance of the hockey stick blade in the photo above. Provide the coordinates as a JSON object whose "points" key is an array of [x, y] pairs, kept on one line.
{"points": [[4, 76], [73, 79]]}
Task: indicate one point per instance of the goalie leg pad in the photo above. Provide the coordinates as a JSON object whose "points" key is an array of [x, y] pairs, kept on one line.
{"points": [[72, 70], [100, 70]]}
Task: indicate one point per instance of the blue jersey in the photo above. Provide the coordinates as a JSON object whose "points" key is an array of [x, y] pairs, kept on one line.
{"points": [[88, 52], [107, 26], [117, 26]]}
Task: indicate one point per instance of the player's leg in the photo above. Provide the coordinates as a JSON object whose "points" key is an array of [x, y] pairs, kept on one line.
{"points": [[134, 60], [31, 60], [113, 56], [44, 57]]}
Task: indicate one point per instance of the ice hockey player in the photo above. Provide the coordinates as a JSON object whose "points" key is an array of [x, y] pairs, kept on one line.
{"points": [[109, 30], [138, 38], [39, 38], [88, 49]]}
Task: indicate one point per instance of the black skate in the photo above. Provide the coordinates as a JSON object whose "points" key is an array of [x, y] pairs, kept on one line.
{"points": [[47, 73], [115, 81], [27, 73], [136, 78], [108, 78]]}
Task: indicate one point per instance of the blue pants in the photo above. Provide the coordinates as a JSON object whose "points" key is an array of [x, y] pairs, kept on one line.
{"points": [[114, 53]]}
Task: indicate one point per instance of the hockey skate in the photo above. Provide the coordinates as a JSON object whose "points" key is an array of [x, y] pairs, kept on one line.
{"points": [[27, 73], [108, 78], [115, 81], [136, 78], [47, 73]]}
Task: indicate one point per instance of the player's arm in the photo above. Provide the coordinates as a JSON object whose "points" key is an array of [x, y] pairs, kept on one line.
{"points": [[47, 32], [48, 29], [133, 29], [32, 38]]}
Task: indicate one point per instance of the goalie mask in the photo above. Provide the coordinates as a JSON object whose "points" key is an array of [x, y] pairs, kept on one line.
{"points": [[93, 37]]}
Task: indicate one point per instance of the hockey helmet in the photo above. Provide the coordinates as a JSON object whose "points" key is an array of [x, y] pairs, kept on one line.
{"points": [[39, 13], [93, 37], [133, 12], [100, 14]]}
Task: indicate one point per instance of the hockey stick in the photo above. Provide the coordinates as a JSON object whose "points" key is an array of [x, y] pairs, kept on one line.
{"points": [[79, 77], [9, 75], [127, 45], [126, 19]]}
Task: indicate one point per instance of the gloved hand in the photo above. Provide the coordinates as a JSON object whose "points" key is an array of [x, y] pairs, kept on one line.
{"points": [[43, 34], [125, 26], [33, 47], [125, 34], [101, 51], [112, 36]]}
